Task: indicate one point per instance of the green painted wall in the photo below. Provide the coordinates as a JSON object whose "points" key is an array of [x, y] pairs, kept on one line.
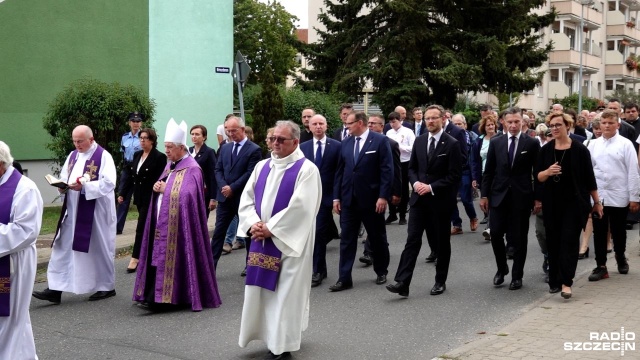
{"points": [[44, 45], [187, 40]]}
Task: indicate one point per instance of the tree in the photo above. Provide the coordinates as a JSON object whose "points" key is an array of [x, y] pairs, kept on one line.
{"points": [[266, 35], [103, 107], [267, 108], [428, 51], [625, 96], [571, 102]]}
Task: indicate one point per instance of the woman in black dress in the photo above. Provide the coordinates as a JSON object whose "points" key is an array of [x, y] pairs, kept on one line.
{"points": [[144, 171], [564, 167], [206, 158]]}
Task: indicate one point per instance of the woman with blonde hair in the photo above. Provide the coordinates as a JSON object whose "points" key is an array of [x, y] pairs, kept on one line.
{"points": [[479, 149]]}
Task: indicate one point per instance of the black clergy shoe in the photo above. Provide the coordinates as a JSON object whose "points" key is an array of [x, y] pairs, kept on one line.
{"points": [[499, 278], [316, 279], [515, 284], [399, 288], [244, 272], [438, 289], [283, 356], [432, 257], [48, 295], [366, 259], [339, 286], [554, 290], [100, 295], [381, 279], [391, 218], [402, 221]]}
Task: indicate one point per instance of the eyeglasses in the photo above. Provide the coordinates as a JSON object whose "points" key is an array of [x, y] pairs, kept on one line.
{"points": [[277, 139], [144, 138], [555, 126], [350, 123]]}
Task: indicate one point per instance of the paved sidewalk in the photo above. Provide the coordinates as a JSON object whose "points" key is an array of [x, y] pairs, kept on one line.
{"points": [[545, 329]]}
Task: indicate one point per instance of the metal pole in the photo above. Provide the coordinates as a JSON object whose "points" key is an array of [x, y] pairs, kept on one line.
{"points": [[240, 96], [581, 31]]}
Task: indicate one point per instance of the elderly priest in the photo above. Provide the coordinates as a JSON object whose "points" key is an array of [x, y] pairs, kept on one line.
{"points": [[20, 220], [278, 209]]}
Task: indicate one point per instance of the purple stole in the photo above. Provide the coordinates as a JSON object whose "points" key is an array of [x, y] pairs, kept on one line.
{"points": [[263, 265], [84, 216], [7, 190]]}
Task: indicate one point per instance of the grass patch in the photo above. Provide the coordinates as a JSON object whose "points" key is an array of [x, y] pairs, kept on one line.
{"points": [[51, 215]]}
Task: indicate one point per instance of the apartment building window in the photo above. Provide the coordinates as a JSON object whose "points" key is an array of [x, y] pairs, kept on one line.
{"points": [[609, 85], [568, 80], [571, 33], [554, 74]]}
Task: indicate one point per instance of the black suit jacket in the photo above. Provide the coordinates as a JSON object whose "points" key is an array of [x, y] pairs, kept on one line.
{"points": [[206, 158], [337, 133], [579, 130], [142, 181], [423, 128], [305, 135], [499, 177], [627, 130], [442, 170], [327, 167], [370, 178], [396, 188], [236, 173]]}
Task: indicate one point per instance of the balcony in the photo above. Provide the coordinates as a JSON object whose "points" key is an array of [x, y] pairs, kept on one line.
{"points": [[572, 9], [558, 89], [622, 73], [571, 58]]}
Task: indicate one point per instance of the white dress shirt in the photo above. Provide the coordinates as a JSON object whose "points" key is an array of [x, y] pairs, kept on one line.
{"points": [[323, 141], [405, 138], [615, 165]]}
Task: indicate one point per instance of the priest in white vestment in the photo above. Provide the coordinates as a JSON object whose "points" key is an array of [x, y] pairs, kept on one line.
{"points": [[276, 303], [83, 252], [20, 220]]}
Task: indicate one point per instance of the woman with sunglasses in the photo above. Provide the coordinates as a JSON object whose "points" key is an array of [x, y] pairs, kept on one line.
{"points": [[564, 167]]}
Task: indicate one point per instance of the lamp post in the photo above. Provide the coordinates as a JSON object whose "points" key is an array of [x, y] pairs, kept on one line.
{"points": [[581, 32]]}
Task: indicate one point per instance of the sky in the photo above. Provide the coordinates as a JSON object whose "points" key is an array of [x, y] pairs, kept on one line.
{"points": [[297, 8]]}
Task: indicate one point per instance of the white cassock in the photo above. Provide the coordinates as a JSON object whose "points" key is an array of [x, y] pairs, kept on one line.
{"points": [[79, 272], [18, 238], [279, 317]]}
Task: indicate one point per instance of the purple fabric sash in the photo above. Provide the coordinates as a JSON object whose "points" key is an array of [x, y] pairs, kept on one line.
{"points": [[263, 265], [86, 208], [7, 190]]}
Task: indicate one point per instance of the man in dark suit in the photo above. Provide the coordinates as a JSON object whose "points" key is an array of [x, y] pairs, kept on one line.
{"points": [[324, 152], [507, 188], [434, 171], [305, 133], [361, 190], [375, 124], [236, 161], [343, 132], [419, 126]]}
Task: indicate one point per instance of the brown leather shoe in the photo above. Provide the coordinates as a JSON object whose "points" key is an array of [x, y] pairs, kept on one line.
{"points": [[474, 224], [456, 231], [226, 248]]}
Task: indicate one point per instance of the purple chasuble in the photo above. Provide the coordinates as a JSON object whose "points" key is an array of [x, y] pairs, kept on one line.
{"points": [[84, 215], [263, 265], [7, 190]]}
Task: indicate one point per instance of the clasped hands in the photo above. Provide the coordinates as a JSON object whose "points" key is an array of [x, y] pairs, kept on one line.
{"points": [[259, 231], [159, 186], [421, 188]]}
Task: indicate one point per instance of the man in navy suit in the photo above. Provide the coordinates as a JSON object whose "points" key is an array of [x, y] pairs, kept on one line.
{"points": [[434, 172], [236, 161], [507, 188], [343, 132], [419, 126], [361, 190], [324, 152]]}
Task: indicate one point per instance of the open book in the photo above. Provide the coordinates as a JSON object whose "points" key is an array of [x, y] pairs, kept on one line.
{"points": [[53, 181]]}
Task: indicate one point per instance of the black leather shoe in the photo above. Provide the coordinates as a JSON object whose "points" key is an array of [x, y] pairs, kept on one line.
{"points": [[366, 259], [339, 286], [432, 257], [399, 288], [515, 284], [438, 289], [271, 356], [244, 272], [99, 295], [390, 219], [499, 278], [402, 221], [485, 220], [316, 279], [48, 295], [381, 279], [554, 290]]}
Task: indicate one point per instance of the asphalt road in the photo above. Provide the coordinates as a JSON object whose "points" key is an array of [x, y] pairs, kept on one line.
{"points": [[366, 322]]}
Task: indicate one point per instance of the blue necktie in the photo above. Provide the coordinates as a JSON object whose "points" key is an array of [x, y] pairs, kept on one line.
{"points": [[318, 158], [512, 150], [234, 153], [357, 152], [344, 133], [417, 129]]}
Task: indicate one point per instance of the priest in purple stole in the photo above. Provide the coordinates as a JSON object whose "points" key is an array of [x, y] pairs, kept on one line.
{"points": [[20, 220], [278, 210], [83, 249], [176, 264]]}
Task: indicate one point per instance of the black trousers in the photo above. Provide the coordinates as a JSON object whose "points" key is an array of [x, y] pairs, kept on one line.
{"points": [[434, 220], [142, 219], [350, 219], [563, 243], [510, 217], [614, 219], [401, 208], [324, 234]]}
